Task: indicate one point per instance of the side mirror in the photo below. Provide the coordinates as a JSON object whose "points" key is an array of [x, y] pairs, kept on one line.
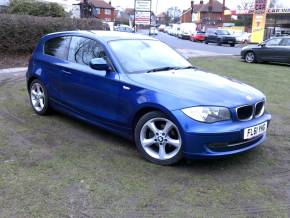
{"points": [[215, 33], [99, 64], [262, 44]]}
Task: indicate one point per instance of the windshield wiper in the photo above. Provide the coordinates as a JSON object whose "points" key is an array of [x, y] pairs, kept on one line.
{"points": [[170, 68], [161, 69], [183, 68]]}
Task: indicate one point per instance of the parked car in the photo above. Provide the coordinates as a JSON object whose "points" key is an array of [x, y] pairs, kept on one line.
{"points": [[186, 29], [197, 36], [243, 37], [124, 28], [273, 50], [220, 37], [153, 31], [167, 29], [161, 28], [175, 29], [143, 90]]}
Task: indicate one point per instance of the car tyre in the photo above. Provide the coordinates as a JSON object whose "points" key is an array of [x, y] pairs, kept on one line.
{"points": [[233, 45], [206, 42], [38, 97], [158, 139], [250, 57]]}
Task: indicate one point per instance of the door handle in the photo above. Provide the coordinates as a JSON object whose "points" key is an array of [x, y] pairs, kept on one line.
{"points": [[66, 72]]}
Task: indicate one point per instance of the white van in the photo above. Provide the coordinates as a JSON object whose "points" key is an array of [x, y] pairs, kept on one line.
{"points": [[186, 30]]}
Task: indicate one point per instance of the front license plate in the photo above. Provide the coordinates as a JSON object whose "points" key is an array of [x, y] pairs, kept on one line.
{"points": [[253, 131]]}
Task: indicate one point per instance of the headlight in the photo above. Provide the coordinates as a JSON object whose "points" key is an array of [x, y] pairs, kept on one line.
{"points": [[208, 114]]}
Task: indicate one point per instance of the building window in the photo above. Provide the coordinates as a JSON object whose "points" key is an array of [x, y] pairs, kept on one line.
{"points": [[107, 11], [98, 11]]}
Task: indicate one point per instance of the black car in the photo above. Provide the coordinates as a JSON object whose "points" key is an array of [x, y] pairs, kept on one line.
{"points": [[220, 37], [276, 49]]}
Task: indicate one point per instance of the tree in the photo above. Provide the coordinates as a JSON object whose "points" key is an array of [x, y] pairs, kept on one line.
{"points": [[246, 5], [36, 8], [173, 13]]}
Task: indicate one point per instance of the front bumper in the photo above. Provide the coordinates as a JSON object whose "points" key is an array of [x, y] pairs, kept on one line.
{"points": [[201, 140]]}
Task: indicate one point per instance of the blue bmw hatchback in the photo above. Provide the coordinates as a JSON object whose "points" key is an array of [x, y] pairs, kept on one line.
{"points": [[141, 89]]}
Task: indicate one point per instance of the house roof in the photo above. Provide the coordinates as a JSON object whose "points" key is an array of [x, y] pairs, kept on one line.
{"points": [[99, 4], [216, 7]]}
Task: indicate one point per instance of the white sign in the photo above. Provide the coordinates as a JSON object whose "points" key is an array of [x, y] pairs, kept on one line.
{"points": [[142, 18], [143, 5]]}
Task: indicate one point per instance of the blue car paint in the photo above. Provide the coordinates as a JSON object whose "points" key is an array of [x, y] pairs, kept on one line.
{"points": [[112, 100]]}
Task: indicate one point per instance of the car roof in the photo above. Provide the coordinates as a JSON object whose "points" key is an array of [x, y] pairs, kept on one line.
{"points": [[103, 36]]}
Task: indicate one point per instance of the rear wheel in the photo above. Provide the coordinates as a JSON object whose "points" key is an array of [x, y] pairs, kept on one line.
{"points": [[38, 97], [250, 57], [158, 139]]}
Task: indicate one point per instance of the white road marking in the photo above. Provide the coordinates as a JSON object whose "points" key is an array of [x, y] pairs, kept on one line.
{"points": [[13, 70], [189, 53]]}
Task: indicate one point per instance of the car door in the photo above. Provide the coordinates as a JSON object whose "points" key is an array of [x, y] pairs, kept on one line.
{"points": [[285, 52], [91, 92], [270, 50], [53, 58]]}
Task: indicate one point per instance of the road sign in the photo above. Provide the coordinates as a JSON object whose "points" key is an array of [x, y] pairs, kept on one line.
{"points": [[143, 5], [142, 18]]}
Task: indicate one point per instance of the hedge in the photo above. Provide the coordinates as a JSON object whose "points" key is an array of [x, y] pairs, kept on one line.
{"points": [[20, 34]]}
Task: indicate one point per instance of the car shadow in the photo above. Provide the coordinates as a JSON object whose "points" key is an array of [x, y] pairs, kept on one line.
{"points": [[233, 161]]}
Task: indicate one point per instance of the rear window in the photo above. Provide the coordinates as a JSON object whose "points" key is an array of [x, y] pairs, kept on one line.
{"points": [[57, 47]]}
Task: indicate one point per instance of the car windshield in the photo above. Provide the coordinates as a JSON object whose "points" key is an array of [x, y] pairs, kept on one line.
{"points": [[140, 56], [223, 32]]}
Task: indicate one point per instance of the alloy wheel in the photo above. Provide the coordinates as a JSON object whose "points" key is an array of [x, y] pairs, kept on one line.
{"points": [[160, 138], [37, 96], [250, 57]]}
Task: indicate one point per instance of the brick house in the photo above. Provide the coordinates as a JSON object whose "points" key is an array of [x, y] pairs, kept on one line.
{"points": [[99, 9], [206, 15]]}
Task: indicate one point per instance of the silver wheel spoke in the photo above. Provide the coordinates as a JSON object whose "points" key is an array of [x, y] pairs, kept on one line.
{"points": [[168, 127], [41, 103], [152, 127], [174, 142], [148, 142], [162, 152]]}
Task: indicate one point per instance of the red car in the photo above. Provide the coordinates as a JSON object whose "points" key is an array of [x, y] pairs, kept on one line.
{"points": [[198, 36]]}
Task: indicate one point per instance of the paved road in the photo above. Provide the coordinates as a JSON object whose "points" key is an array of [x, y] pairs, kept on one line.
{"points": [[193, 49]]}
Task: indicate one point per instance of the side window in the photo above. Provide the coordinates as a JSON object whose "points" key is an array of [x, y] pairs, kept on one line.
{"points": [[285, 42], [83, 50], [57, 47], [274, 42]]}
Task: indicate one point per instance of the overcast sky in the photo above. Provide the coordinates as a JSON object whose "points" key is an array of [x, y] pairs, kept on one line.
{"points": [[163, 5]]}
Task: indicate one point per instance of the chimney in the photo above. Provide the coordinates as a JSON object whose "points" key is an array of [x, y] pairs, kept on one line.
{"points": [[201, 2], [210, 5], [192, 6]]}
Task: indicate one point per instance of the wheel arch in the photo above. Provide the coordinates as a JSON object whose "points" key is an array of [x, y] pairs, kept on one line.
{"points": [[147, 109]]}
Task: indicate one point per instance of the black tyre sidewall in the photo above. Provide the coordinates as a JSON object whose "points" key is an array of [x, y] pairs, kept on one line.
{"points": [[139, 125], [45, 110]]}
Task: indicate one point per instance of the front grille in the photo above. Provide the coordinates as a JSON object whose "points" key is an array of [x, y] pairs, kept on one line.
{"points": [[245, 112], [259, 109]]}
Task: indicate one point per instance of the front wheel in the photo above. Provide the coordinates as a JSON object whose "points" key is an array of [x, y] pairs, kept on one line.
{"points": [[158, 139], [250, 57], [38, 97]]}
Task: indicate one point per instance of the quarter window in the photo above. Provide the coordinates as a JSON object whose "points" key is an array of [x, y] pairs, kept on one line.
{"points": [[83, 50], [57, 47]]}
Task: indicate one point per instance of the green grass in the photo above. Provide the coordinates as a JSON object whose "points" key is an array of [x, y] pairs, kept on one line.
{"points": [[55, 166]]}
